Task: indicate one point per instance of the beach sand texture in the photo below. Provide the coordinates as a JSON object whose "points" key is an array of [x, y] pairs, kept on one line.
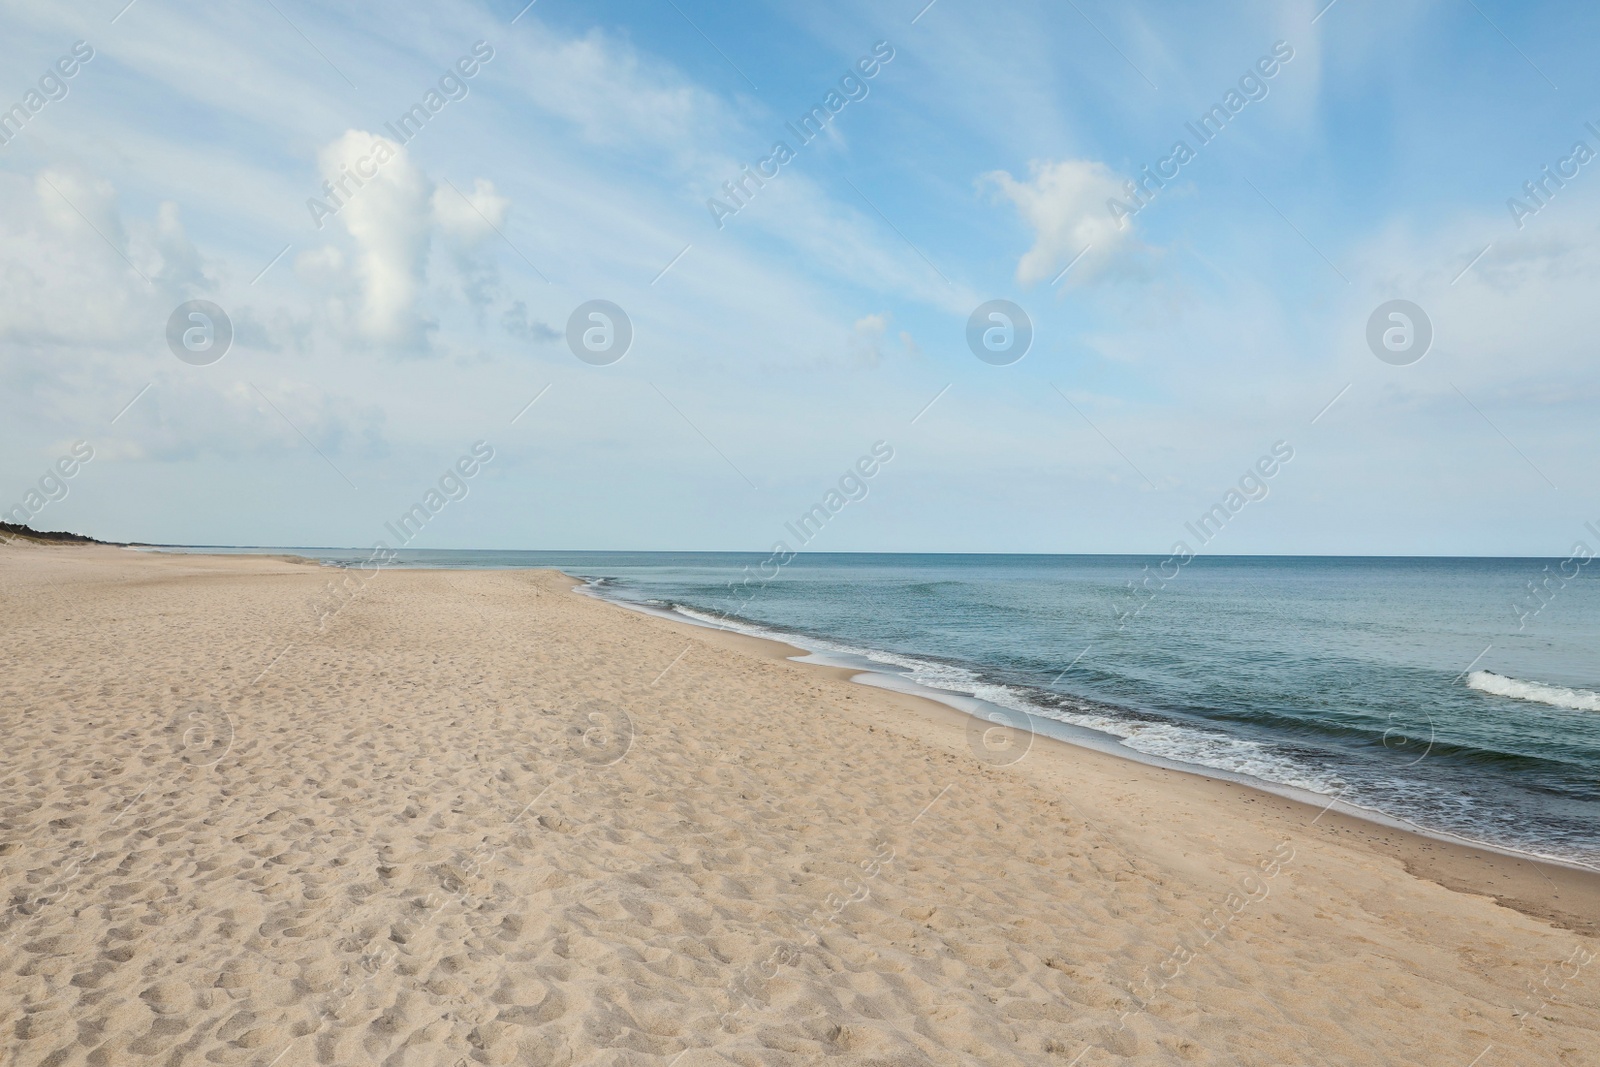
{"points": [[475, 818]]}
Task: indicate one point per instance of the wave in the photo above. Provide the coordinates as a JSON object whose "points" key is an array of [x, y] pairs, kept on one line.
{"points": [[1332, 755], [1555, 695], [1184, 743], [1140, 731]]}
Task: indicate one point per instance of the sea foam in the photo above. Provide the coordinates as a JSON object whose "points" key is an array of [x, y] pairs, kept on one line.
{"points": [[1174, 741], [1554, 695]]}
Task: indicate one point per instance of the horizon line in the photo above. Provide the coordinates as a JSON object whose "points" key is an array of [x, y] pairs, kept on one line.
{"points": [[851, 552]]}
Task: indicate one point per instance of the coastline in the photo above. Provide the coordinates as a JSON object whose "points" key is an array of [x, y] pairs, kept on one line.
{"points": [[1565, 895], [473, 814]]}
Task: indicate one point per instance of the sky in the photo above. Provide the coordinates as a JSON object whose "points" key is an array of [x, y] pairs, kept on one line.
{"points": [[1185, 335]]}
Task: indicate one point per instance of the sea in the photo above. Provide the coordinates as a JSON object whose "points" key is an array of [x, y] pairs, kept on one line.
{"points": [[1459, 697]]}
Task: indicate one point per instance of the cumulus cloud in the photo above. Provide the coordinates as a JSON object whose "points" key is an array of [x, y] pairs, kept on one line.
{"points": [[390, 219], [1065, 204], [393, 212]]}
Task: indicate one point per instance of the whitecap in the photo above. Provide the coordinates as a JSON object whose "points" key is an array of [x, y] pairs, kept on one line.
{"points": [[1558, 696]]}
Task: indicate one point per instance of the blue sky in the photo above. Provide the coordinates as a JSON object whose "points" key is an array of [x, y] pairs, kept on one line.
{"points": [[1222, 317]]}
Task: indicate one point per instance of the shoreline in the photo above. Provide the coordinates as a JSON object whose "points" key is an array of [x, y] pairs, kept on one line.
{"points": [[892, 682], [1564, 894], [473, 814], [1525, 882]]}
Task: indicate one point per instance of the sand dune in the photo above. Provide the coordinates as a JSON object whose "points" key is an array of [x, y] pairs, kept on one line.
{"points": [[474, 818]]}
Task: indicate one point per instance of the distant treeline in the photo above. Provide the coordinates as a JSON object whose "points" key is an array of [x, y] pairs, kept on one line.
{"points": [[11, 529]]}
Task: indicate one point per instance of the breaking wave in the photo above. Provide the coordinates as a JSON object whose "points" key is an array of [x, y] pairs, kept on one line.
{"points": [[1555, 695]]}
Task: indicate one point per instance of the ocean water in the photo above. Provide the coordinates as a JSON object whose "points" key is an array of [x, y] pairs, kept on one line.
{"points": [[1451, 694]]}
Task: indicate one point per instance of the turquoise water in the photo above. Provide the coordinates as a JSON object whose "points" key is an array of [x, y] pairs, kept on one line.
{"points": [[1445, 692]]}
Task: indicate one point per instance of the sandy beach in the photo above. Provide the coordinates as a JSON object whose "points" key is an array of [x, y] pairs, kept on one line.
{"points": [[471, 817]]}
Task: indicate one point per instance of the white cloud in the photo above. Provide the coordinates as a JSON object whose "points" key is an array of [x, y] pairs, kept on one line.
{"points": [[78, 272], [868, 339], [393, 217], [469, 219], [1065, 204], [181, 266], [183, 418], [614, 94], [75, 203], [390, 219], [465, 224]]}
